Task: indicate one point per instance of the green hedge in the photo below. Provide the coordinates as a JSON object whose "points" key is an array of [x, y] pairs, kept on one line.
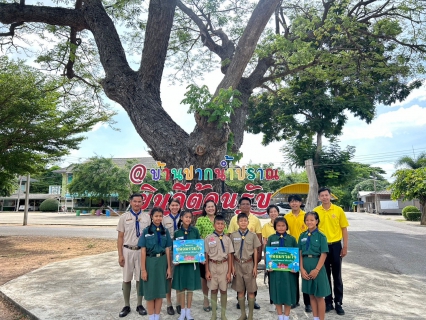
{"points": [[49, 205], [411, 213]]}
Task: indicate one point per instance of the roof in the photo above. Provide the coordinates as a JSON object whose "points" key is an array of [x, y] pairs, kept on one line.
{"points": [[32, 196], [296, 188], [149, 162], [384, 192], [363, 193]]}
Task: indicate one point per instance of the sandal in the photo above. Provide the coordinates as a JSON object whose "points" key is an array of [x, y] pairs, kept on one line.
{"points": [[207, 309]]}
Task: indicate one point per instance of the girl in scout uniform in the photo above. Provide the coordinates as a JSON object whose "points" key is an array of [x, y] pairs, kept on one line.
{"points": [[313, 251], [283, 284], [186, 276], [155, 243], [205, 224]]}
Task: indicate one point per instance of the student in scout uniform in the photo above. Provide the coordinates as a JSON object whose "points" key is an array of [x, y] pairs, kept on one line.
{"points": [[283, 285], [130, 227], [313, 251], [219, 251], [296, 225], [170, 222], [186, 276], [155, 243], [254, 226], [244, 264], [267, 231], [205, 224], [334, 225]]}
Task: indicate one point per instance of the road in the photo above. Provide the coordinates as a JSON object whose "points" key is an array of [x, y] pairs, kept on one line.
{"points": [[374, 242]]}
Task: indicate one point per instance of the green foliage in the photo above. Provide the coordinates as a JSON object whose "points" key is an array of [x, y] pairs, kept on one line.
{"points": [[38, 124], [49, 205], [44, 179], [215, 109], [413, 215], [409, 209], [412, 162], [368, 185]]}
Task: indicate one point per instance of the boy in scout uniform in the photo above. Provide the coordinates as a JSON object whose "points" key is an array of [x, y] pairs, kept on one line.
{"points": [[219, 251], [130, 227], [244, 266]]}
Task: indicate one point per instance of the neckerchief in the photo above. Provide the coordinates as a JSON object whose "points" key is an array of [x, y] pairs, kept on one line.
{"points": [[308, 241], [282, 238], [186, 232], [243, 236], [221, 242], [174, 218], [138, 232], [157, 229]]}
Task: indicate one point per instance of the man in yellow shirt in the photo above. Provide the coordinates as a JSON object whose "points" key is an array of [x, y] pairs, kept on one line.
{"points": [[296, 225], [254, 226], [334, 225]]}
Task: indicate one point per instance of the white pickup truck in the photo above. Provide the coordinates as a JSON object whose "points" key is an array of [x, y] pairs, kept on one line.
{"points": [[30, 208]]}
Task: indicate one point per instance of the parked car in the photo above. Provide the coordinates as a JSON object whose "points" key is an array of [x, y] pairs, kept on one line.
{"points": [[30, 208], [284, 208]]}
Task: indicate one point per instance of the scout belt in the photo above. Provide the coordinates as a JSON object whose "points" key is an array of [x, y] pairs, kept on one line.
{"points": [[242, 261], [218, 261], [310, 256], [156, 255], [131, 247]]}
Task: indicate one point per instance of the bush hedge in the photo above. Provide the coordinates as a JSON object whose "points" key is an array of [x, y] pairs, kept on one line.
{"points": [[411, 213], [49, 205]]}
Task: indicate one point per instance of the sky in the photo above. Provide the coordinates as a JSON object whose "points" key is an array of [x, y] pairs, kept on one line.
{"points": [[397, 130]]}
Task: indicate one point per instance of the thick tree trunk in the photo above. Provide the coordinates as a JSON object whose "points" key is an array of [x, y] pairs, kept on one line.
{"points": [[318, 149], [423, 209], [312, 200]]}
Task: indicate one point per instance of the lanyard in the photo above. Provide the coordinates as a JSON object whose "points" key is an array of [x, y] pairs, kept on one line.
{"points": [[174, 218], [282, 239], [138, 232], [221, 242], [243, 236], [308, 241]]}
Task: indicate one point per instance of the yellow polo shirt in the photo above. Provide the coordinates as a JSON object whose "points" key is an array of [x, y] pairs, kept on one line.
{"points": [[296, 224], [253, 225], [331, 222], [268, 230]]}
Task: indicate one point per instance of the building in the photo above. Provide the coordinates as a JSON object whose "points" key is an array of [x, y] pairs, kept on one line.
{"points": [[385, 205]]}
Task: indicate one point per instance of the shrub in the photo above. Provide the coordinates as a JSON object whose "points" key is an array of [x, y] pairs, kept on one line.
{"points": [[49, 205], [412, 211]]}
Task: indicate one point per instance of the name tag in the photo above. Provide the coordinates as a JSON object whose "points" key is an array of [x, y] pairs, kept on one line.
{"points": [[304, 239], [275, 242], [180, 238], [149, 235], [212, 243], [129, 219], [237, 239]]}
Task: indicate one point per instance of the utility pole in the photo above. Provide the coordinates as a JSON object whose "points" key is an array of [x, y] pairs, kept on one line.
{"points": [[375, 194], [27, 197]]}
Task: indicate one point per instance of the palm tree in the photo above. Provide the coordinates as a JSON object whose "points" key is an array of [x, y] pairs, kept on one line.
{"points": [[412, 162]]}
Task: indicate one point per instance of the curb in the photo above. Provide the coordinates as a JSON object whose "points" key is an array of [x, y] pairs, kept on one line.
{"points": [[18, 306]]}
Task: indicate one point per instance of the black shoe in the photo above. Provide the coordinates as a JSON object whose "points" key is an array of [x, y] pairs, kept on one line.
{"points": [[256, 306], [170, 310], [339, 309], [238, 305], [178, 309], [295, 305], [124, 312], [308, 308], [141, 310], [328, 307]]}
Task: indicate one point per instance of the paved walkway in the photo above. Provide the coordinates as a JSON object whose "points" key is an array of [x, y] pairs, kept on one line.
{"points": [[90, 287]]}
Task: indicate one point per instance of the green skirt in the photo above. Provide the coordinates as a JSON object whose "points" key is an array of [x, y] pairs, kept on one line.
{"points": [[283, 287], [186, 276], [157, 285], [318, 287]]}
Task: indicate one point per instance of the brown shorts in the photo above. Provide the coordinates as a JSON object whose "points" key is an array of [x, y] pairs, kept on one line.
{"points": [[218, 272], [244, 279]]}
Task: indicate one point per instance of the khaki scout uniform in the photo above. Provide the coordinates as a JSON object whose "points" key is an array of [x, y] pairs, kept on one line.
{"points": [[131, 251], [169, 225], [218, 260], [243, 260]]}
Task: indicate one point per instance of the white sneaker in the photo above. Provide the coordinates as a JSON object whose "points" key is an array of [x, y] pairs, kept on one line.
{"points": [[272, 308]]}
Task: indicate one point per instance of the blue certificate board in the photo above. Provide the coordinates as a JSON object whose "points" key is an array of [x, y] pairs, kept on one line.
{"points": [[282, 259], [188, 251]]}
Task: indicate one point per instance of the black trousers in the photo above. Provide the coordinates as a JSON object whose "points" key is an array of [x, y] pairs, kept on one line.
{"points": [[333, 267], [306, 298]]}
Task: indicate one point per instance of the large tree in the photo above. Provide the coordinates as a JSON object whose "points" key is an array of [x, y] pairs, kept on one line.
{"points": [[202, 34], [37, 125], [412, 162]]}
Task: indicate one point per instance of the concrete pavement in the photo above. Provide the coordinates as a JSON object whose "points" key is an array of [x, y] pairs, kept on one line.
{"points": [[90, 288]]}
